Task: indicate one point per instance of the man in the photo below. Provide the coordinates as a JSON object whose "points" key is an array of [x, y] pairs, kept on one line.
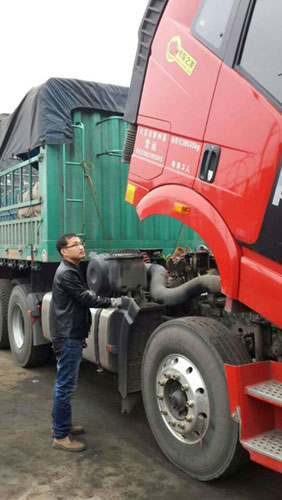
{"points": [[70, 323]]}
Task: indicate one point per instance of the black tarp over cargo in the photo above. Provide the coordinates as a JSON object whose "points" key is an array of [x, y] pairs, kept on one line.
{"points": [[44, 115]]}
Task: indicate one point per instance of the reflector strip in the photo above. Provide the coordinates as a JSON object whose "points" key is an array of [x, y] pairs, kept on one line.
{"points": [[130, 193]]}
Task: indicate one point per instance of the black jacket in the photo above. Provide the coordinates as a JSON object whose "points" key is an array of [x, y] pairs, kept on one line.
{"points": [[70, 316]]}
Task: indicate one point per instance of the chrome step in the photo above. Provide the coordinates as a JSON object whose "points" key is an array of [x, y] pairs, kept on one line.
{"points": [[269, 391], [268, 444]]}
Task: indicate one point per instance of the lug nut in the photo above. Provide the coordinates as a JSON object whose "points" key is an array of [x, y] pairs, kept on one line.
{"points": [[189, 418], [176, 377], [160, 396], [164, 412], [161, 382], [190, 404], [172, 423], [185, 387]]}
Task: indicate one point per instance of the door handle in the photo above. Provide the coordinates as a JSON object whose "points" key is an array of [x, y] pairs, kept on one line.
{"points": [[209, 164]]}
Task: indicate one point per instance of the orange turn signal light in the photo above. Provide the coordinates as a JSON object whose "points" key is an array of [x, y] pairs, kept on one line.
{"points": [[181, 208]]}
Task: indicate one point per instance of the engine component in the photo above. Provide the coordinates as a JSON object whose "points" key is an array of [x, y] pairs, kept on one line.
{"points": [[201, 259], [185, 264], [179, 270], [277, 346], [115, 273], [181, 294]]}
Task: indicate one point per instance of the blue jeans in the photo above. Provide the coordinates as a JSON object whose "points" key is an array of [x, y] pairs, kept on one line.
{"points": [[69, 355]]}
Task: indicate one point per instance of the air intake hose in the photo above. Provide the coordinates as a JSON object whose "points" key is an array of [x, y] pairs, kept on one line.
{"points": [[183, 293]]}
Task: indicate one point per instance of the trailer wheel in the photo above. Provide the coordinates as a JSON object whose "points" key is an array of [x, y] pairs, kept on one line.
{"points": [[20, 331], [5, 292], [186, 399]]}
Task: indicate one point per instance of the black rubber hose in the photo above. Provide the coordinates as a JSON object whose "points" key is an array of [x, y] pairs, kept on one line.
{"points": [[183, 293]]}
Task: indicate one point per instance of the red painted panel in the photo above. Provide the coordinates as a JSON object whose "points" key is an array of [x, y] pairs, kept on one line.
{"points": [[149, 154], [183, 159], [177, 91], [260, 287], [278, 419], [249, 153], [266, 461], [276, 371]]}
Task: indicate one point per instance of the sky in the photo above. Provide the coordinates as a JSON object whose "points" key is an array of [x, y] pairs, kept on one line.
{"points": [[87, 39]]}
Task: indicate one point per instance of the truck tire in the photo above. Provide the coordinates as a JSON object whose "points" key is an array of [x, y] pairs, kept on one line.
{"points": [[5, 292], [186, 398], [20, 331]]}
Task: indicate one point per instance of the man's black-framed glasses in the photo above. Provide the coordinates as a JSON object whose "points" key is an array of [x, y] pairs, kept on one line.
{"points": [[76, 244]]}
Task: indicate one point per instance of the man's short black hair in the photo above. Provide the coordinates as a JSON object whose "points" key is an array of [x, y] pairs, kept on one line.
{"points": [[62, 242]]}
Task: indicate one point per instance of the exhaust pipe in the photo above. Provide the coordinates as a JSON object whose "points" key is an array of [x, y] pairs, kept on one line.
{"points": [[183, 293]]}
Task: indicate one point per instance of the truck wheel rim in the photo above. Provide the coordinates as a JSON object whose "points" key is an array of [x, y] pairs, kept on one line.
{"points": [[18, 326], [182, 399]]}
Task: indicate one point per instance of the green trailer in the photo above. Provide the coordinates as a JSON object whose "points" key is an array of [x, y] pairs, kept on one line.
{"points": [[61, 172], [81, 189]]}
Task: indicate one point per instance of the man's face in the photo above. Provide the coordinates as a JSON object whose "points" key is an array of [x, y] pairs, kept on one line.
{"points": [[74, 250]]}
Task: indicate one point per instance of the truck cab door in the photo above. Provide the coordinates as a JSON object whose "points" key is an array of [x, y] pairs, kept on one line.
{"points": [[176, 98], [245, 126]]}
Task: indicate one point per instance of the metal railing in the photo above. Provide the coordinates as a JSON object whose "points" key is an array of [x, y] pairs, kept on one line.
{"points": [[14, 183], [17, 231]]}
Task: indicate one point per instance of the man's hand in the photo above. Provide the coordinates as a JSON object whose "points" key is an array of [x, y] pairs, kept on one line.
{"points": [[116, 302]]}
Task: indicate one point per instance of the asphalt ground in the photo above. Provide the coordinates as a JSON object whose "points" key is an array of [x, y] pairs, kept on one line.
{"points": [[122, 460]]}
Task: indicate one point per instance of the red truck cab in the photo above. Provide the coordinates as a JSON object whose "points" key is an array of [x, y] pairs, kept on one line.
{"points": [[205, 147]]}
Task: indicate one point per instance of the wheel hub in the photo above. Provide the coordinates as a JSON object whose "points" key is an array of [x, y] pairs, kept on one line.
{"points": [[183, 399], [178, 400], [18, 326]]}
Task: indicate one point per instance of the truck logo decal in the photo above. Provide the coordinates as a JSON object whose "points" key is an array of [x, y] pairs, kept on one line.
{"points": [[176, 53]]}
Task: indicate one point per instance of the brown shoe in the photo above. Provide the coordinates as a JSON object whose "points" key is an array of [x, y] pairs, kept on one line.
{"points": [[68, 444], [74, 430]]}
